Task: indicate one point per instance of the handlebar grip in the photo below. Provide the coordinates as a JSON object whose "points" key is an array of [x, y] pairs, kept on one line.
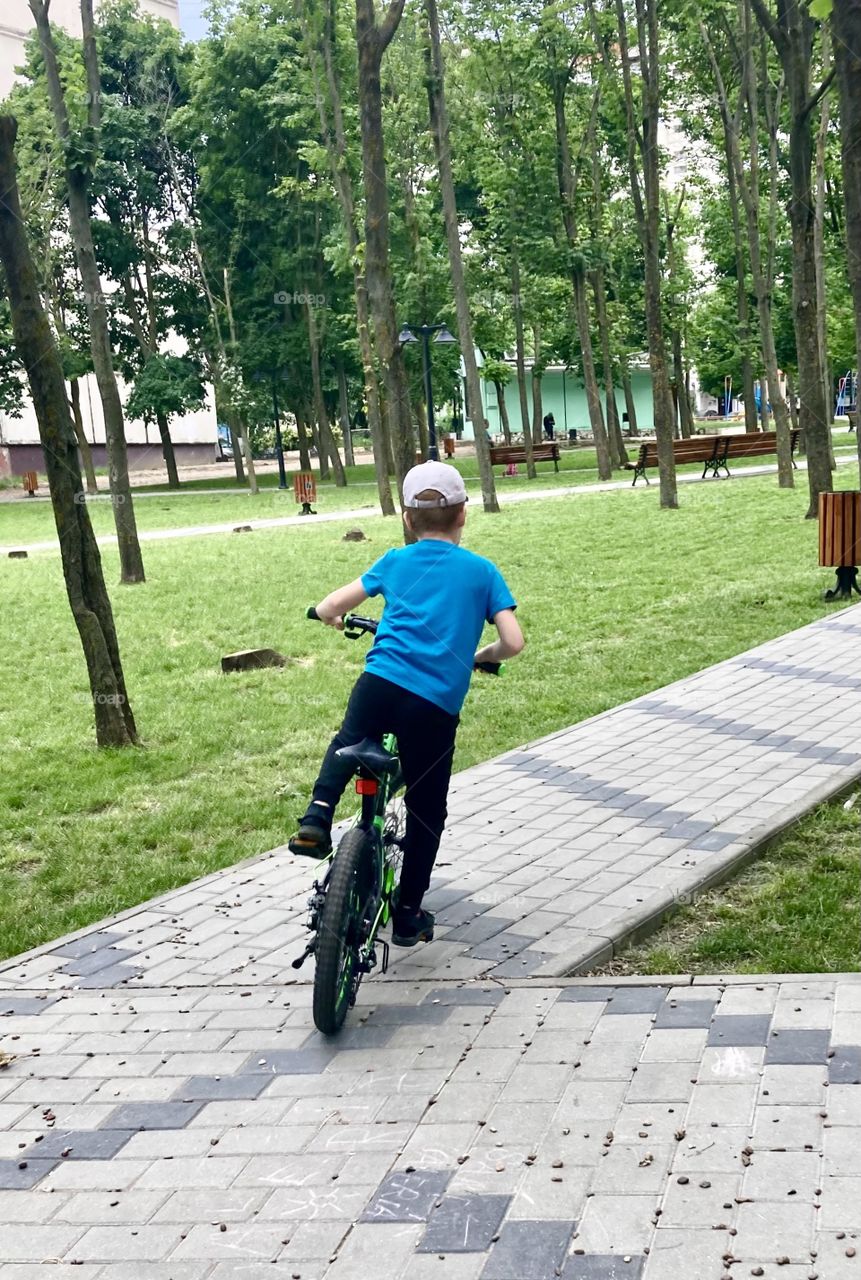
{"points": [[489, 668], [312, 614]]}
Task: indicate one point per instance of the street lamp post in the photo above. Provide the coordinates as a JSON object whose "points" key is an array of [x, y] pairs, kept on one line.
{"points": [[442, 335]]}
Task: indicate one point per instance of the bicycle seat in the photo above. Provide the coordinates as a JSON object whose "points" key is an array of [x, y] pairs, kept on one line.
{"points": [[369, 755]]}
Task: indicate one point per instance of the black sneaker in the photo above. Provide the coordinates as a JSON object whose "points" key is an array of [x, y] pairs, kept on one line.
{"points": [[312, 840], [410, 926]]}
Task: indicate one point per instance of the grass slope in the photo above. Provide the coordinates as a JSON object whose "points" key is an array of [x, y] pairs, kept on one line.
{"points": [[617, 597]]}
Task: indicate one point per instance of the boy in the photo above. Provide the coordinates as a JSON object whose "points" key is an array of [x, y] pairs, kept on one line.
{"points": [[437, 599]]}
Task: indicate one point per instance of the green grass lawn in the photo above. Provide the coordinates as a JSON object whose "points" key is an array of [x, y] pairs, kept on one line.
{"points": [[24, 521], [617, 597], [795, 910]]}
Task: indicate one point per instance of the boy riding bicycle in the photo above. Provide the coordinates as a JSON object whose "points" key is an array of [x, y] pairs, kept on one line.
{"points": [[438, 597]]}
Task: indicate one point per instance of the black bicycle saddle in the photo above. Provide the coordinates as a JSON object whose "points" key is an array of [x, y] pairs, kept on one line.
{"points": [[369, 755]]}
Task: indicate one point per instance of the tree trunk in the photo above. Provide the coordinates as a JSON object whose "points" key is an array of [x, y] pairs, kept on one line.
{"points": [[422, 424], [372, 40], [82, 566], [537, 406], [77, 183], [80, 435], [846, 22], [819, 250], [615, 440], [302, 432], [630, 403], [751, 423], [686, 422], [520, 350], [791, 395], [327, 442], [442, 146], [503, 409], [642, 124], [344, 411], [167, 451]]}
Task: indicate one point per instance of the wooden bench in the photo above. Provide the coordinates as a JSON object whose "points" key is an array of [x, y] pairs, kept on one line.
{"points": [[713, 452], [504, 454]]}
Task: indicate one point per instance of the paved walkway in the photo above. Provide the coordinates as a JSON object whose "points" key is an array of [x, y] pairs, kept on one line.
{"points": [[372, 512], [169, 1114]]}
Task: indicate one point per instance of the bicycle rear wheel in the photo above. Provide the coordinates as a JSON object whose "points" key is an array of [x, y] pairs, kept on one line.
{"points": [[340, 930]]}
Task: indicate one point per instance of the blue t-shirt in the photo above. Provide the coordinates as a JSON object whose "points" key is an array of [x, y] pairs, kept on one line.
{"points": [[438, 597]]}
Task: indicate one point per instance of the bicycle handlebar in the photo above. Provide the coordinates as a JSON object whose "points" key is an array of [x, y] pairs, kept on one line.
{"points": [[355, 626]]}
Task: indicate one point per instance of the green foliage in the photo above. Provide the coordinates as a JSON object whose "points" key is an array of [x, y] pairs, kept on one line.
{"points": [[166, 386]]}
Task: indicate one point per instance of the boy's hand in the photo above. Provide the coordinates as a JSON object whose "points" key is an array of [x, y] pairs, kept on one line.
{"points": [[337, 623]]}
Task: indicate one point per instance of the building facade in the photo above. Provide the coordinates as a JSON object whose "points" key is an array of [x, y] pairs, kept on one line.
{"points": [[194, 435]]}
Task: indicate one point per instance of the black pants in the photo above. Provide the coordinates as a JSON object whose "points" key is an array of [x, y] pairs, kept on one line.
{"points": [[425, 735]]}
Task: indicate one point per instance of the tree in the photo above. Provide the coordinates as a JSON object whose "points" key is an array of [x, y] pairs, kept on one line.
{"points": [[643, 118], [372, 40], [442, 146], [78, 161], [82, 566], [792, 32], [846, 21]]}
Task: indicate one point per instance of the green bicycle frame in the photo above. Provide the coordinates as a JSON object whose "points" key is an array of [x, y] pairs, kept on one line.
{"points": [[373, 818]]}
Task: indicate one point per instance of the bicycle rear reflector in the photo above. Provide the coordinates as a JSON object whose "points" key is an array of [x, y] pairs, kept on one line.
{"points": [[366, 786]]}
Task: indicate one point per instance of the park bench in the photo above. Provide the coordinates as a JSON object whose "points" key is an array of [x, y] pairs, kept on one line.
{"points": [[714, 452], [505, 454]]}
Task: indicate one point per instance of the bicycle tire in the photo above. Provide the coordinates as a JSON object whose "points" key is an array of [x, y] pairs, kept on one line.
{"points": [[350, 881]]}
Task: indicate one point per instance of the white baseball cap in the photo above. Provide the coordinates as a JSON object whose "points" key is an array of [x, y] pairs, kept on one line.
{"points": [[443, 478]]}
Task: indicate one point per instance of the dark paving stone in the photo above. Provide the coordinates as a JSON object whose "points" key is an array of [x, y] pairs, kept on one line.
{"points": [[407, 1197], [603, 1266], [361, 1037], [521, 965], [117, 975], [88, 944], [138, 1116], [288, 1062], [714, 841], [14, 1179], [845, 1066], [410, 1015], [740, 1029], [688, 830], [438, 899], [502, 947], [528, 1250], [460, 912], [464, 1224], [465, 995], [668, 818], [798, 1046], [479, 929], [636, 1000], [685, 1013], [224, 1088], [16, 1006], [645, 809], [83, 1144], [581, 994], [96, 961]]}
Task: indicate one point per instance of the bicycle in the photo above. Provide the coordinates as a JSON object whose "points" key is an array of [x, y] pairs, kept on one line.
{"points": [[354, 900]]}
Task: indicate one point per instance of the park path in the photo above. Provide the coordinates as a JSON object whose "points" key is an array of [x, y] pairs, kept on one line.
{"points": [[168, 1113], [368, 513]]}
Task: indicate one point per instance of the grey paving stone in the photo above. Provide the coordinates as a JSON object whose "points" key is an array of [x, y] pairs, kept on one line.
{"points": [[798, 1046], [465, 995], [603, 1266], [522, 965], [215, 1088], [714, 841], [528, 1250], [585, 994], [739, 1029], [410, 1015], [14, 1178], [845, 1066], [82, 1144], [464, 1224], [636, 1000], [287, 1062], [685, 1013], [118, 975], [137, 1116], [353, 1037], [407, 1197]]}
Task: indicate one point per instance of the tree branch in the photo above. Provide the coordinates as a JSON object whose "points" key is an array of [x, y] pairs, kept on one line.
{"points": [[820, 93], [389, 25], [767, 22]]}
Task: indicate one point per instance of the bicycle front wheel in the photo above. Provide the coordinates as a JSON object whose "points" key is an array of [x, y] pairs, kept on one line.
{"points": [[339, 933]]}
